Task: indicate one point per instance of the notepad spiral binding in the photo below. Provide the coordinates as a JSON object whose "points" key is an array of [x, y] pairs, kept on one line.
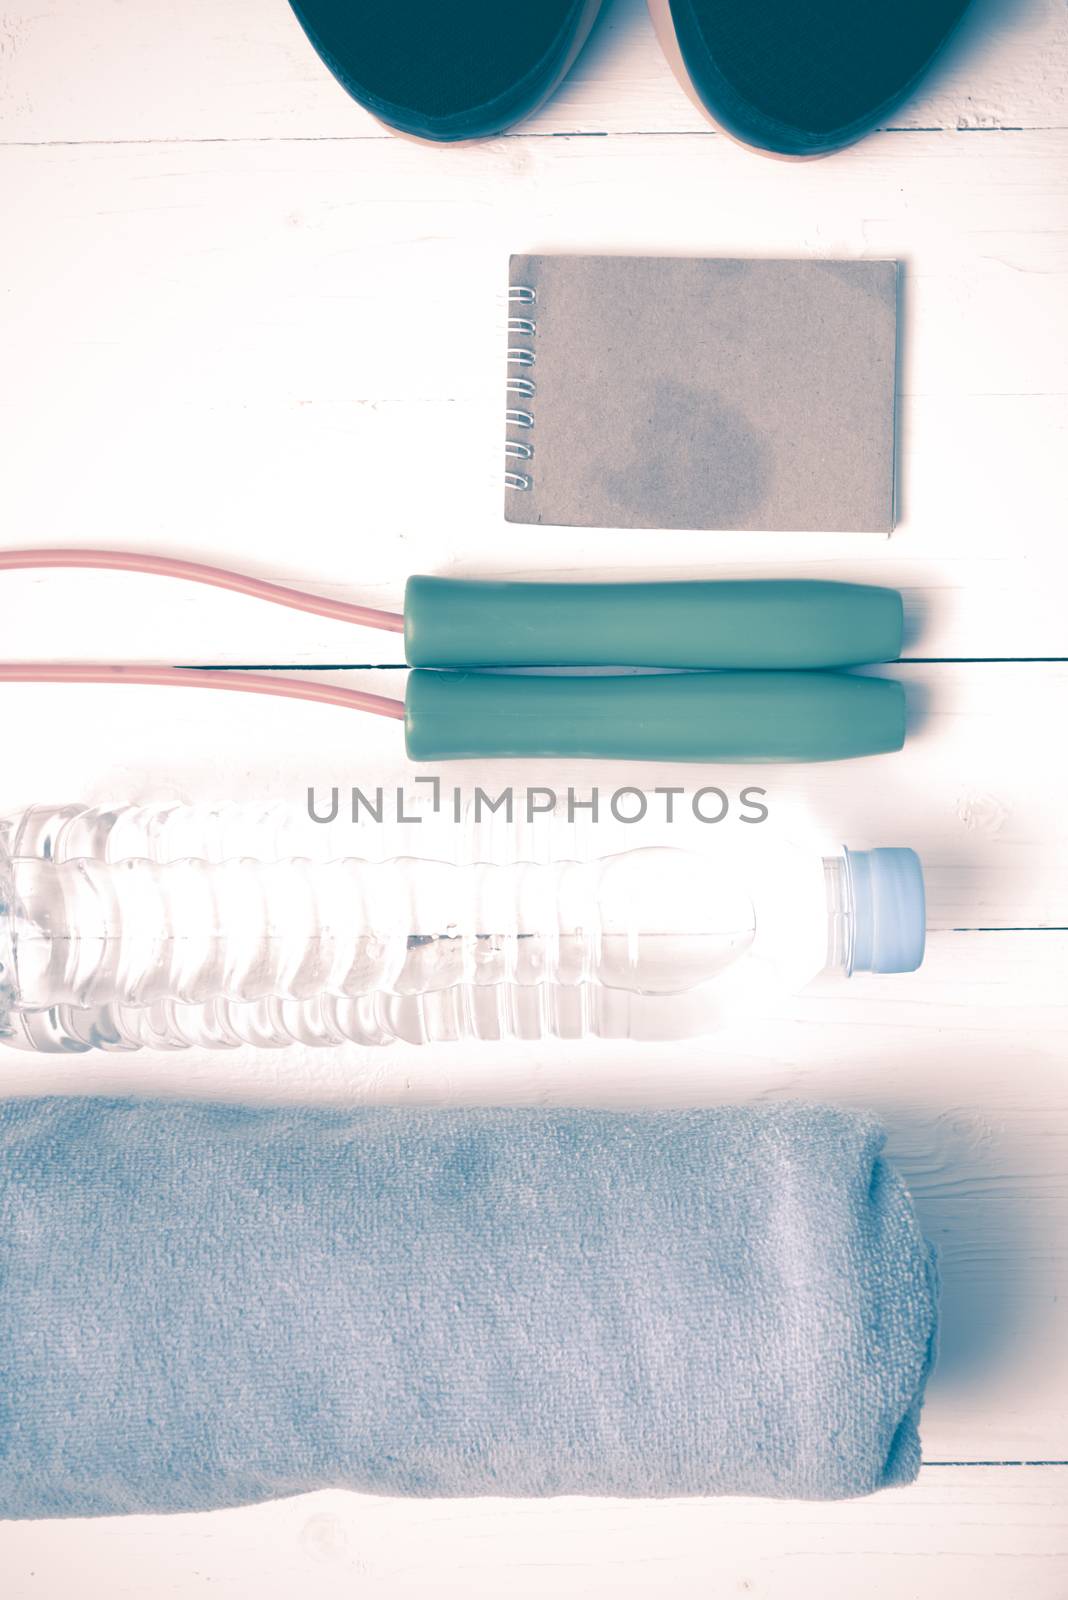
{"points": [[520, 387]]}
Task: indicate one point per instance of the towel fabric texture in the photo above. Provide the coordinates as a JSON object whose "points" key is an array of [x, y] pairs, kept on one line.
{"points": [[206, 1306]]}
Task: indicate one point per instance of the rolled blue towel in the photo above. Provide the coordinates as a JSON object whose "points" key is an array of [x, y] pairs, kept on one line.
{"points": [[205, 1306]]}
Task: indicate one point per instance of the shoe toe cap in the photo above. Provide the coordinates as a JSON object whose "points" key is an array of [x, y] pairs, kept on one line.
{"points": [[803, 76], [443, 69]]}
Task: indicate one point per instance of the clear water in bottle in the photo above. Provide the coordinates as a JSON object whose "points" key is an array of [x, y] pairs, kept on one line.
{"points": [[173, 926]]}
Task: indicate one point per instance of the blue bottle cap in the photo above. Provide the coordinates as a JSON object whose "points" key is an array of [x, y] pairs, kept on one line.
{"points": [[889, 910]]}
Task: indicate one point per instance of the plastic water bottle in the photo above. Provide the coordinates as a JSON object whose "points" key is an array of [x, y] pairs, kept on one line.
{"points": [[172, 926]]}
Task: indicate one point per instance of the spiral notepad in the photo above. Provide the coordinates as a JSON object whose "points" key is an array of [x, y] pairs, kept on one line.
{"points": [[650, 392]]}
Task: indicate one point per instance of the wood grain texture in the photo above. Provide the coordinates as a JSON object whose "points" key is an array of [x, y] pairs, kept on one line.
{"points": [[242, 323], [954, 1535], [290, 357], [978, 790], [963, 1064], [165, 69]]}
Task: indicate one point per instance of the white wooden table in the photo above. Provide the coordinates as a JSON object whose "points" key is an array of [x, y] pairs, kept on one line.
{"points": [[241, 323]]}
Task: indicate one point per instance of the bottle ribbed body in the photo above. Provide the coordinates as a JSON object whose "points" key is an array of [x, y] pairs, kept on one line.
{"points": [[506, 1012], [166, 927], [134, 932]]}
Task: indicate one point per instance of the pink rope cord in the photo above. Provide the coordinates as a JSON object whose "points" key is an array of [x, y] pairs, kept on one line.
{"points": [[197, 572], [197, 678]]}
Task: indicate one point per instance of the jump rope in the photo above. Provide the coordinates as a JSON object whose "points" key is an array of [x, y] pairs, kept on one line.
{"points": [[753, 666]]}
